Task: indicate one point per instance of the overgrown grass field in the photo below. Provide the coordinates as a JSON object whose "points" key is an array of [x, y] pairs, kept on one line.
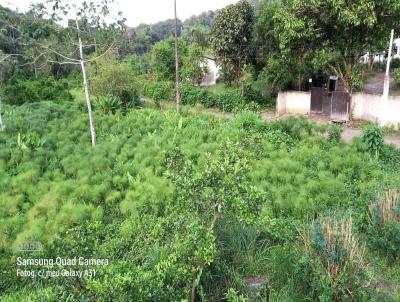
{"points": [[191, 206]]}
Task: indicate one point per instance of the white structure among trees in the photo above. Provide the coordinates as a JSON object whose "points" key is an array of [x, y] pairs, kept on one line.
{"points": [[397, 52]]}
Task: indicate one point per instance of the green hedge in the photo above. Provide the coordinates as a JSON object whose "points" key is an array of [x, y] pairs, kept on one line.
{"points": [[229, 101], [48, 89], [192, 96]]}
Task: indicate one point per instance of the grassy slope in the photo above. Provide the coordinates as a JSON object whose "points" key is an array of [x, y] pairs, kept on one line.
{"points": [[65, 184]]}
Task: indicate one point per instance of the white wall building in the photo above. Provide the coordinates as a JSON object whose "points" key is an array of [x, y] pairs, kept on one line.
{"points": [[397, 44], [213, 73], [381, 57]]}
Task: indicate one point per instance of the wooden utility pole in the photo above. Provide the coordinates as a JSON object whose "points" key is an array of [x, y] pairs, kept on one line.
{"points": [[386, 83], [86, 85], [178, 101]]}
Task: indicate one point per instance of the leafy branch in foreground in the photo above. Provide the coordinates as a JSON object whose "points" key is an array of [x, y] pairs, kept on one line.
{"points": [[221, 189]]}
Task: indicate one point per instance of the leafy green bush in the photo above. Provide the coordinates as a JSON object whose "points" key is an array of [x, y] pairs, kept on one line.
{"points": [[31, 141], [229, 100], [357, 77], [395, 63], [250, 106], [396, 76], [335, 134], [181, 203], [108, 104], [279, 138], [192, 96], [372, 136], [250, 94], [276, 74], [247, 119], [115, 79], [391, 156], [159, 91], [20, 92]]}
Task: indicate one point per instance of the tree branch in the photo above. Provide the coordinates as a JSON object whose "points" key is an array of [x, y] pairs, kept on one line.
{"points": [[10, 55], [63, 63], [60, 54], [98, 57]]}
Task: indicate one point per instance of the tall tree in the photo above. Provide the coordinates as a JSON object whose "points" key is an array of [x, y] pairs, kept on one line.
{"points": [[231, 36], [84, 21], [345, 30], [163, 58], [295, 40], [194, 66]]}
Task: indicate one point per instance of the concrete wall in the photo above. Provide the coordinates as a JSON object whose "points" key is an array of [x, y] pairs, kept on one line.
{"points": [[293, 102], [366, 107], [374, 108]]}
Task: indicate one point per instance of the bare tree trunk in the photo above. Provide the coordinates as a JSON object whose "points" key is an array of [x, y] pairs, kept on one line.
{"points": [[370, 61], [178, 100], [1, 121], [86, 86], [193, 291], [237, 73], [35, 69]]}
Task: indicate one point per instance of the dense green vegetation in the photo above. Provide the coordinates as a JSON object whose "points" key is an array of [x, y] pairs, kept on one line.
{"points": [[210, 203], [191, 205]]}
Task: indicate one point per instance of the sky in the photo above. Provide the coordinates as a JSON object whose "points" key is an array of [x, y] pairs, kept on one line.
{"points": [[146, 11]]}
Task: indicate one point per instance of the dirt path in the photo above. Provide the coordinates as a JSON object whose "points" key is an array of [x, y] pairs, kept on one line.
{"points": [[348, 133]]}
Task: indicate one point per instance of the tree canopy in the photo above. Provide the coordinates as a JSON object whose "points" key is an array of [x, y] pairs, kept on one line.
{"points": [[231, 36], [345, 30]]}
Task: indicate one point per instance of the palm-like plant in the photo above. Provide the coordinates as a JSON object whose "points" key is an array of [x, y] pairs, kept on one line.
{"points": [[109, 104]]}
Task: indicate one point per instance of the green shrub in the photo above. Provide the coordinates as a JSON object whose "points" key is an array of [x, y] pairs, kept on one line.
{"points": [[233, 296], [357, 77], [115, 79], [250, 106], [250, 94], [372, 136], [391, 156], [395, 63], [108, 104], [20, 92], [396, 76], [276, 75], [191, 96], [279, 138], [335, 134], [31, 141], [159, 91], [229, 100], [247, 119], [181, 200]]}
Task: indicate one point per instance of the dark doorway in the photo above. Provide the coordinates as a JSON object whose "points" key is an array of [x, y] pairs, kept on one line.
{"points": [[332, 84]]}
